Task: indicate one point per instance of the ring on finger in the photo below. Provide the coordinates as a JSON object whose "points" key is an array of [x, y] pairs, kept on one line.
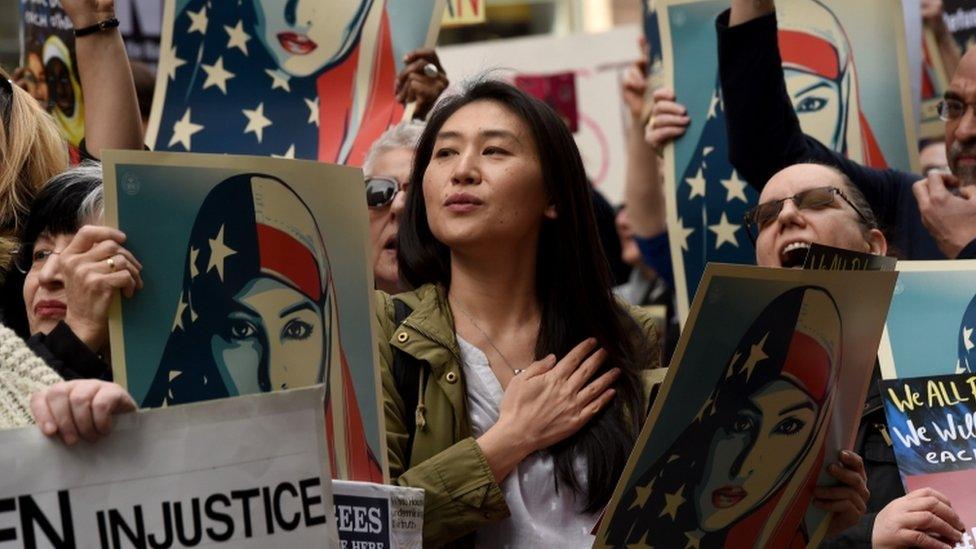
{"points": [[111, 263], [431, 70]]}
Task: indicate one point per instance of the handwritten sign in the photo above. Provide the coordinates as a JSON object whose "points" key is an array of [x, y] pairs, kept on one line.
{"points": [[828, 258], [932, 423]]}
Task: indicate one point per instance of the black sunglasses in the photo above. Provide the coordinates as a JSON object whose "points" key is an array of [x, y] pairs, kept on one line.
{"points": [[763, 214], [380, 191]]}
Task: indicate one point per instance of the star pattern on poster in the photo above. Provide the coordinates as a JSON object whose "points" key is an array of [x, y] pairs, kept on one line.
{"points": [[290, 153], [736, 188], [673, 502], [697, 184], [217, 75], [256, 121], [967, 338], [757, 353], [236, 37], [194, 253], [183, 130], [219, 252], [173, 64], [683, 234], [643, 492], [694, 539], [725, 232], [313, 111], [198, 20], [279, 80], [180, 310]]}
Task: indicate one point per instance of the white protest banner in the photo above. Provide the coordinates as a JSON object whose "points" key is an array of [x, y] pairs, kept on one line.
{"points": [[378, 516], [247, 471]]}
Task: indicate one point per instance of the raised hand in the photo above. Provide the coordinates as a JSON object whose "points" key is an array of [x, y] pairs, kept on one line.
{"points": [[414, 85], [849, 501]]}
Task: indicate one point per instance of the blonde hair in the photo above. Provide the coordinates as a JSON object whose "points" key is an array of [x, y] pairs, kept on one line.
{"points": [[32, 150]]}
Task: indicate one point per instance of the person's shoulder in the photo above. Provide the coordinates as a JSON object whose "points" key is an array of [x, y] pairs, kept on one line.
{"points": [[386, 308]]}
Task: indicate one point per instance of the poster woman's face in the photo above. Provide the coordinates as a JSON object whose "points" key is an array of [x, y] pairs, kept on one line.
{"points": [[818, 104], [753, 453], [306, 35], [275, 328]]}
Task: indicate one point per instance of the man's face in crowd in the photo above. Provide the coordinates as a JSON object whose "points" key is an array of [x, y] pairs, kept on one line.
{"points": [[961, 133], [384, 222]]}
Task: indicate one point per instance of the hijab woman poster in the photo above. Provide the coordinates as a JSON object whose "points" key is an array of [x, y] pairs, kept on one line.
{"points": [[930, 330], [763, 391], [256, 280], [307, 79], [848, 77]]}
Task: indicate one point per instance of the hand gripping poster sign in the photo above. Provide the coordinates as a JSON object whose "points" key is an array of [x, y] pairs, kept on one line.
{"points": [[243, 472], [764, 389], [256, 280], [293, 78], [820, 40], [932, 425]]}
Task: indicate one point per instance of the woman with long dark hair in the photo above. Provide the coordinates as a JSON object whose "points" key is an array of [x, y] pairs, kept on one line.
{"points": [[513, 378]]}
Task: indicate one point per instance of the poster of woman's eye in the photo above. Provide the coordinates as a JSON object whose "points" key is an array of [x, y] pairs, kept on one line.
{"points": [[307, 79], [763, 391], [848, 78], [47, 51], [931, 323], [256, 280]]}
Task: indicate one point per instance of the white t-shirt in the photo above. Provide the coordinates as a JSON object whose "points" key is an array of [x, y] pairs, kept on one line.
{"points": [[540, 516]]}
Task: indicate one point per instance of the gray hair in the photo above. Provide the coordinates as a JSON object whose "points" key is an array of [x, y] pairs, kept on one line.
{"points": [[404, 135], [92, 207]]}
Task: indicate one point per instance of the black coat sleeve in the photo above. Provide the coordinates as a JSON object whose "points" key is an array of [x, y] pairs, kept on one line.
{"points": [[69, 356], [763, 129]]}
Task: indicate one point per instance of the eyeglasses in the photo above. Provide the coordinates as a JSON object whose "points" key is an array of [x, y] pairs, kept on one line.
{"points": [[380, 191], [951, 109], [759, 217], [28, 259]]}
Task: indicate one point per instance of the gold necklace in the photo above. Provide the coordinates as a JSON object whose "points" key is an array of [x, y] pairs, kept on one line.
{"points": [[515, 371]]}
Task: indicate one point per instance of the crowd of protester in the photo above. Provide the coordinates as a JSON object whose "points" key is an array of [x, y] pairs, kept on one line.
{"points": [[517, 361]]}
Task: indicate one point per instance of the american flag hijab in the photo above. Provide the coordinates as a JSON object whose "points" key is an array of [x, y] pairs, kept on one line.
{"points": [[254, 229], [796, 339], [307, 79], [967, 343]]}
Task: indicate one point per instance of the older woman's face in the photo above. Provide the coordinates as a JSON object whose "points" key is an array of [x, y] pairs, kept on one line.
{"points": [[751, 455], [275, 329], [793, 230], [306, 35], [44, 289], [385, 222], [483, 186]]}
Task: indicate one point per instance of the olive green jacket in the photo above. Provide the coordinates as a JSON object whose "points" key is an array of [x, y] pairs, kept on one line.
{"points": [[461, 492]]}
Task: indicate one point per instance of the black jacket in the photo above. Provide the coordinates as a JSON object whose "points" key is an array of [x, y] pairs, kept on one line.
{"points": [[69, 356]]}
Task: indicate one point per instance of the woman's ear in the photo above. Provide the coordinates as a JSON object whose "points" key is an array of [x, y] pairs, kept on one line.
{"points": [[550, 212], [876, 242]]}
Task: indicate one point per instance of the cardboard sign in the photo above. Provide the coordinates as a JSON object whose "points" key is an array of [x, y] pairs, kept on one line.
{"points": [[819, 42], [960, 18], [250, 471], [378, 516], [764, 389], [828, 258], [256, 279], [461, 13], [932, 425]]}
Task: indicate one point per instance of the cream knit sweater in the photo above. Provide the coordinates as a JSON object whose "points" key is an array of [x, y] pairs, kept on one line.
{"points": [[22, 373]]}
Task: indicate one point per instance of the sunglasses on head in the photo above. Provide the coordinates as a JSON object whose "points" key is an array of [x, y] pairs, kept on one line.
{"points": [[380, 191], [759, 217]]}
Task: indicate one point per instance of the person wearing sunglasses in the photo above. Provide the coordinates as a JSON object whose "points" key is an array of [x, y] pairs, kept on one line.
{"points": [[930, 217], [387, 170]]}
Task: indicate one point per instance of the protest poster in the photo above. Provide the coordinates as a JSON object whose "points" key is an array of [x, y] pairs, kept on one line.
{"points": [[935, 82], [140, 22], [819, 42], [256, 279], [378, 516], [932, 425], [284, 77], [931, 321], [598, 62], [764, 389], [828, 258], [462, 13], [47, 48], [251, 471], [960, 18]]}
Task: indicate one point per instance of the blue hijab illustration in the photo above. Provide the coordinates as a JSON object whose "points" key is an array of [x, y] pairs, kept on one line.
{"points": [[742, 471], [258, 312]]}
